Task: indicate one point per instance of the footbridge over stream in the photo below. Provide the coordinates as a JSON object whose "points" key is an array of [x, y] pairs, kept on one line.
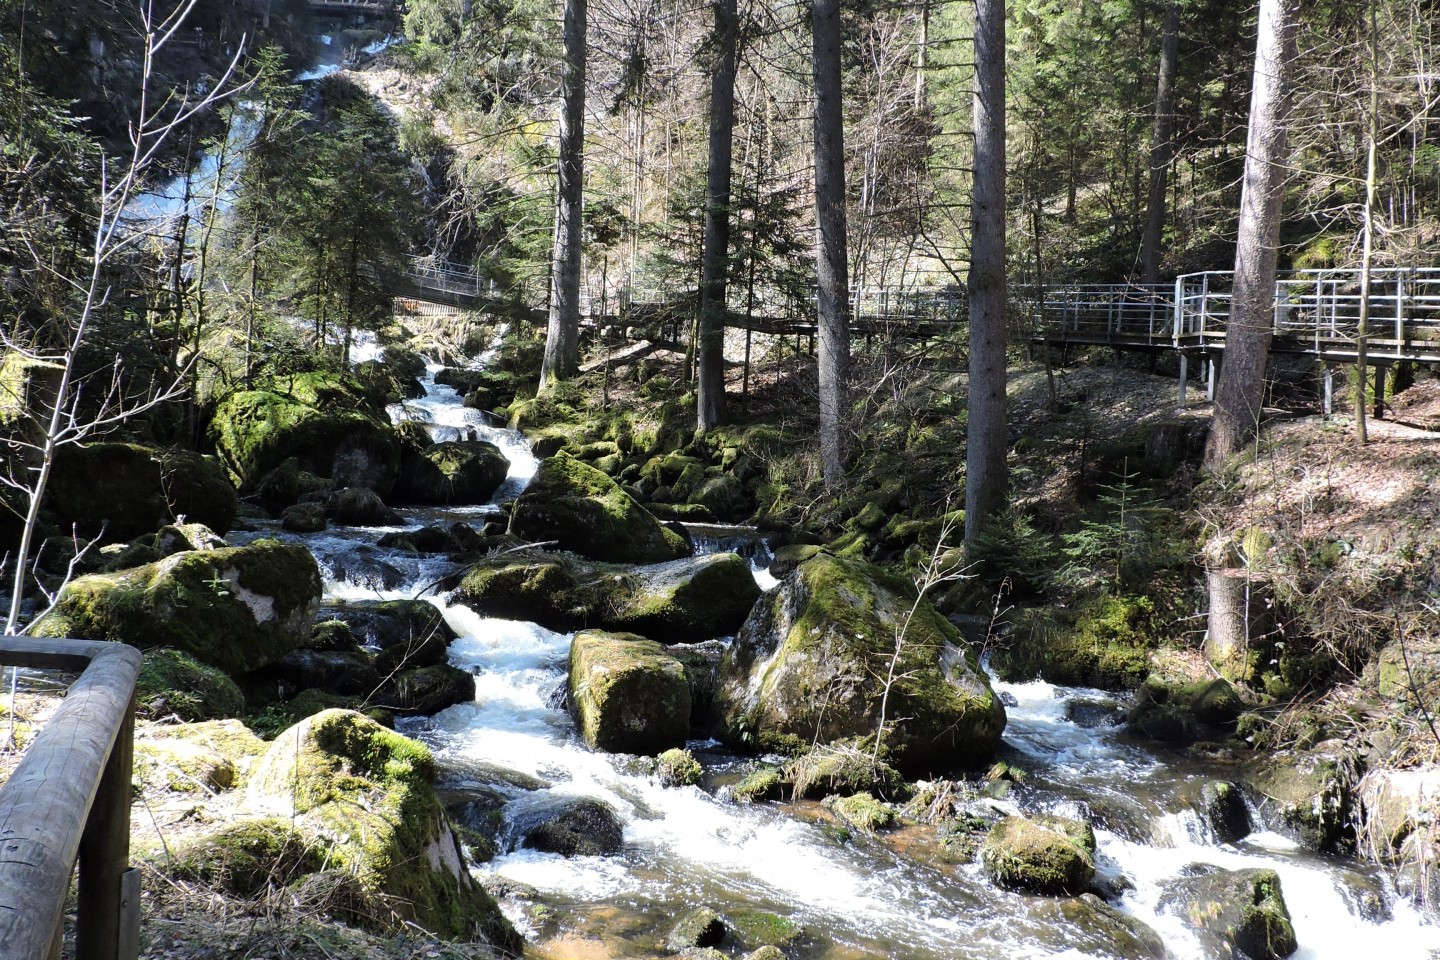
{"points": [[1315, 312]]}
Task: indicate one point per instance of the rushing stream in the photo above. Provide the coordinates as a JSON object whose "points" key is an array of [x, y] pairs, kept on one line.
{"points": [[853, 895]]}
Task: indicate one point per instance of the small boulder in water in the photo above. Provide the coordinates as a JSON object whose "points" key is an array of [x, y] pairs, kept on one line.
{"points": [[455, 472], [840, 770], [303, 518], [1236, 912], [1092, 713], [1223, 807], [677, 767], [428, 690], [628, 695], [1044, 854], [1094, 928], [361, 507], [585, 828], [763, 784], [861, 811], [701, 927]]}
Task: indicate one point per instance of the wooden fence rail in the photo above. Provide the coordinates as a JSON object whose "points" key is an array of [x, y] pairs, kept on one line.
{"points": [[68, 801]]}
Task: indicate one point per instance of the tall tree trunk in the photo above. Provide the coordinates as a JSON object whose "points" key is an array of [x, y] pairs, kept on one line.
{"points": [[833, 306], [1367, 256], [1162, 145], [562, 337], [986, 437], [1247, 339], [710, 400]]}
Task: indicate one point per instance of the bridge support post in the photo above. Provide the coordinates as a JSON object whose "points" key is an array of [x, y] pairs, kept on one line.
{"points": [[1380, 375], [1184, 376], [1211, 362], [1327, 392]]}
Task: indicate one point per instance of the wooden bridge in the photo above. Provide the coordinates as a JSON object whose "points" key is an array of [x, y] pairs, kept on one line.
{"points": [[353, 6]]}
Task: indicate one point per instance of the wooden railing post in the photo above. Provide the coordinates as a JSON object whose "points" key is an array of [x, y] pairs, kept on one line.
{"points": [[105, 858]]}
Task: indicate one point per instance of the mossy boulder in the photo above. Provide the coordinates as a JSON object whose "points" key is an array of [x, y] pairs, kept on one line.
{"points": [[1309, 795], [1235, 912], [306, 517], [584, 511], [454, 472], [699, 928], [287, 485], [1105, 641], [173, 683], [757, 928], [812, 659], [1222, 808], [245, 858], [687, 600], [238, 609], [1046, 854], [861, 811], [400, 631], [360, 507], [129, 490], [842, 769], [627, 694], [766, 783], [327, 423], [427, 690], [677, 767], [350, 672], [179, 537], [363, 793], [204, 757]]}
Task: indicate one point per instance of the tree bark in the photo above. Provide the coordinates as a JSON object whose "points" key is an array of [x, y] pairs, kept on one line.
{"points": [[1247, 339], [831, 274], [710, 398], [1162, 146], [986, 438], [1367, 257], [562, 337]]}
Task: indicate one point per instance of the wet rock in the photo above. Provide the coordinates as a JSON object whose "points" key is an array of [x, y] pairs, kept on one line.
{"points": [[428, 690], [681, 601], [1398, 809], [455, 472], [627, 694], [345, 672], [287, 484], [1218, 704], [788, 558], [411, 633], [303, 518], [332, 635], [804, 667], [584, 828], [701, 927], [1091, 714], [677, 767], [1309, 795], [363, 794], [180, 537], [766, 953], [585, 511], [238, 609], [1236, 913], [1045, 854], [1223, 808], [127, 490], [360, 507], [702, 670], [756, 928], [1093, 928], [424, 540]]}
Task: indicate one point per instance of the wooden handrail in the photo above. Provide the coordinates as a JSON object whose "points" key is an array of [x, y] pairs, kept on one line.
{"points": [[69, 800]]}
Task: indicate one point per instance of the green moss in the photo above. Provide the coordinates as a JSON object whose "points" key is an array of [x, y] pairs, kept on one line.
{"points": [[1105, 641], [677, 767], [842, 769], [310, 417], [756, 928], [1043, 855], [628, 694], [764, 784], [132, 490], [173, 682], [862, 811], [238, 609], [245, 858], [459, 471], [583, 510], [364, 792]]}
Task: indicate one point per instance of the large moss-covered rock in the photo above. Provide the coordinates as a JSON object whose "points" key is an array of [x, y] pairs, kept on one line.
{"points": [[1236, 913], [628, 695], [458, 471], [812, 659], [1309, 795], [238, 609], [130, 490], [685, 600], [173, 683], [1047, 854], [1105, 641], [364, 793], [583, 510], [204, 757], [327, 423]]}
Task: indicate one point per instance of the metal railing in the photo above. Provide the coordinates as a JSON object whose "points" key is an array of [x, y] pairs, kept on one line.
{"points": [[68, 800], [1108, 311], [1321, 309]]}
